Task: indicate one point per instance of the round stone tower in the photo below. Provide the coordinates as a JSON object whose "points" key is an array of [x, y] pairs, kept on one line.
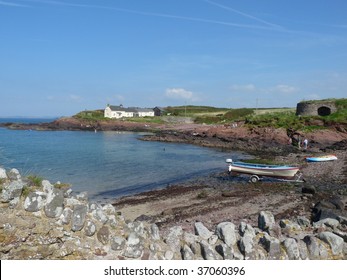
{"points": [[315, 108]]}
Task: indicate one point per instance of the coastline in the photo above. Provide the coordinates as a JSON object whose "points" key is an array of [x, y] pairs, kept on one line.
{"points": [[307, 213], [219, 194], [222, 197]]}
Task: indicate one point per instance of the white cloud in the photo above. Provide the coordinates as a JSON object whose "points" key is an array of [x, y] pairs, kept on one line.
{"points": [[74, 97], [284, 89], [179, 93], [243, 88]]}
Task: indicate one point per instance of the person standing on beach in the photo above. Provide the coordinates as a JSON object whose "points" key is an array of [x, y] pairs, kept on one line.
{"points": [[305, 143]]}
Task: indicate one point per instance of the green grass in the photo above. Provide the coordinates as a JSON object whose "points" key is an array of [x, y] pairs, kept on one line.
{"points": [[35, 180], [260, 117], [229, 116], [95, 115], [191, 111]]}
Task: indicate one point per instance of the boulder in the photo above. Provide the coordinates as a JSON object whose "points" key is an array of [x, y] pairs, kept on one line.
{"points": [[103, 235], [35, 201], [90, 228], [202, 231], [79, 217], [335, 242], [3, 174], [226, 232], [54, 203], [265, 220], [11, 190], [292, 249]]}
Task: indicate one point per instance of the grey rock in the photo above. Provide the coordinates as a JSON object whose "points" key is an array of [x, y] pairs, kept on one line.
{"points": [[11, 190], [100, 216], [109, 209], [207, 251], [83, 196], [154, 231], [3, 174], [303, 251], [173, 238], [66, 216], [202, 231], [342, 220], [133, 239], [133, 252], [226, 232], [137, 227], [342, 234], [14, 174], [190, 238], [292, 249], [103, 235], [335, 242], [333, 223], [169, 255], [265, 220], [78, 217], [54, 203], [117, 243], [187, 253], [35, 201], [213, 239], [246, 229], [272, 246], [303, 221], [316, 250], [289, 225], [225, 251], [47, 186], [246, 244], [90, 228]]}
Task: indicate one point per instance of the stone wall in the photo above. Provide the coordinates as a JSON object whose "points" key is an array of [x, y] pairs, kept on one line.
{"points": [[50, 222], [315, 108]]}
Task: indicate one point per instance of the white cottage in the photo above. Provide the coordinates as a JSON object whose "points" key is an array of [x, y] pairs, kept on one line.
{"points": [[117, 112]]}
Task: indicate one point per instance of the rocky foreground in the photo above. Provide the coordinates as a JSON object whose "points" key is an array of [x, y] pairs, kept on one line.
{"points": [[50, 222]]}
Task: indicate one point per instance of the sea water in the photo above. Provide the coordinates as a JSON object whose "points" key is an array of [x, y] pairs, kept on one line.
{"points": [[106, 164]]}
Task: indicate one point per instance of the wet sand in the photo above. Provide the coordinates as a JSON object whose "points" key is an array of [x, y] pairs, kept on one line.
{"points": [[222, 197]]}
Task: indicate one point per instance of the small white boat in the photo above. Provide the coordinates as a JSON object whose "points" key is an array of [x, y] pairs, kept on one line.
{"points": [[257, 171], [321, 158]]}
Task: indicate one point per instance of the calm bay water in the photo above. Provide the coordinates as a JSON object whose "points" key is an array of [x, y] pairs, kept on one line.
{"points": [[106, 164]]}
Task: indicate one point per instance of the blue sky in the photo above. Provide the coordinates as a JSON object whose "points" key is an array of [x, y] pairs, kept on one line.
{"points": [[61, 57]]}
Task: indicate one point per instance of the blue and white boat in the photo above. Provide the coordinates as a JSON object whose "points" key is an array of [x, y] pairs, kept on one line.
{"points": [[321, 158], [257, 171]]}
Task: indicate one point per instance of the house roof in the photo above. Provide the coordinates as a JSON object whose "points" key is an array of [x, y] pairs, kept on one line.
{"points": [[130, 109]]}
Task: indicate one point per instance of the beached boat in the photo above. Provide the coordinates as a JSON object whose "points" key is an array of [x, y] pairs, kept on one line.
{"points": [[321, 158], [257, 171]]}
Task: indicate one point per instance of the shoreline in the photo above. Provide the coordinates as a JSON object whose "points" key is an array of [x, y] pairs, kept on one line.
{"points": [[221, 197], [218, 197]]}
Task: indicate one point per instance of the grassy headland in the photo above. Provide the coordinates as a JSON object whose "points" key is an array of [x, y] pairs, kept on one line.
{"points": [[251, 117]]}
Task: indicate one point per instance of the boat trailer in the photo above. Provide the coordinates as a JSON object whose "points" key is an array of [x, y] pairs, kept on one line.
{"points": [[298, 178]]}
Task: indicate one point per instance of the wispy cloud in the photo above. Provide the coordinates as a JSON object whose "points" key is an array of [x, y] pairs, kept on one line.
{"points": [[11, 4], [243, 88], [268, 26], [244, 14], [284, 89], [74, 97], [280, 89]]}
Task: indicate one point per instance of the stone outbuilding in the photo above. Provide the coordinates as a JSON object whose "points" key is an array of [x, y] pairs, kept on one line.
{"points": [[316, 108]]}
